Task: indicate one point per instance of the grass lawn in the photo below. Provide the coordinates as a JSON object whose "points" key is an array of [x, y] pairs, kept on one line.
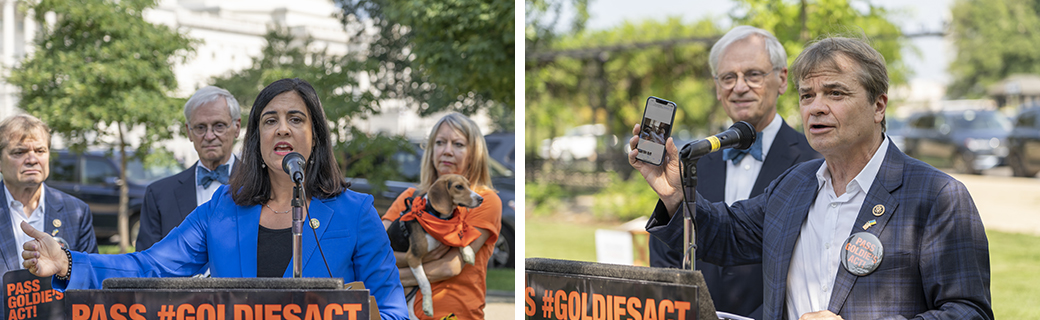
{"points": [[500, 279], [1015, 277]]}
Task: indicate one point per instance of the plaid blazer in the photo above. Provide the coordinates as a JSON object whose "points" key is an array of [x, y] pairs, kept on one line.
{"points": [[936, 256]]}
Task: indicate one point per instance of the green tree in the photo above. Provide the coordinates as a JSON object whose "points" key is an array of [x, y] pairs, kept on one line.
{"points": [[796, 23], [441, 55], [993, 39], [605, 76], [334, 78], [100, 71]]}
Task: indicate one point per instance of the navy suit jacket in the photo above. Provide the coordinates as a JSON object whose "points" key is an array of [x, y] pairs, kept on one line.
{"points": [[735, 289], [77, 226], [936, 256], [166, 203]]}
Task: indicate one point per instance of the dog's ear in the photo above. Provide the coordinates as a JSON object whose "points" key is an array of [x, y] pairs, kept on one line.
{"points": [[440, 197]]}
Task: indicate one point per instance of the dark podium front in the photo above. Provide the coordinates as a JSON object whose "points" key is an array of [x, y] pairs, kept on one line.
{"points": [[219, 298]]}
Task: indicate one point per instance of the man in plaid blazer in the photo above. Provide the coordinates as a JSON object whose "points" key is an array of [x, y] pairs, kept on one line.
{"points": [[934, 258]]}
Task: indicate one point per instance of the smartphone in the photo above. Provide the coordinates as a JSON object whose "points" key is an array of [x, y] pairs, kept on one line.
{"points": [[655, 130]]}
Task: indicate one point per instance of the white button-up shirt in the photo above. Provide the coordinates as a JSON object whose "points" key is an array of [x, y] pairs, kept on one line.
{"points": [[740, 177], [17, 210], [817, 255]]}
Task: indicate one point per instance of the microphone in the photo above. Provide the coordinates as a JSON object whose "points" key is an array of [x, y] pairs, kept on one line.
{"points": [[293, 165], [740, 135]]}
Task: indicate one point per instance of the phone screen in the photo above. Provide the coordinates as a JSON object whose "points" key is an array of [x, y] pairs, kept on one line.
{"points": [[655, 129]]}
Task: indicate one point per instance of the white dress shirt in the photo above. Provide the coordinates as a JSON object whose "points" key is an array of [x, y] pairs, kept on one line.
{"points": [[17, 210], [741, 177], [817, 255], [202, 195]]}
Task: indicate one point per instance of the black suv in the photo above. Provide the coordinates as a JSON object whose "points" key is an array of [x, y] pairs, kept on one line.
{"points": [[94, 178], [500, 147], [1024, 143], [967, 140]]}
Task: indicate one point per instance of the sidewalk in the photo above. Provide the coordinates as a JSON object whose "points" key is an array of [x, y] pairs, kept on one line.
{"points": [[500, 306]]}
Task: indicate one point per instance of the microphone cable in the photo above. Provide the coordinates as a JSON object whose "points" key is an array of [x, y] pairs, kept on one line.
{"points": [[307, 208]]}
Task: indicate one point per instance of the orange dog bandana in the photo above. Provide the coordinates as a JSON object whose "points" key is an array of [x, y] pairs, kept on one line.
{"points": [[453, 232]]}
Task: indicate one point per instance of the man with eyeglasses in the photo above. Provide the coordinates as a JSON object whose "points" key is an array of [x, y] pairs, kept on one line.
{"points": [[213, 122], [750, 70]]}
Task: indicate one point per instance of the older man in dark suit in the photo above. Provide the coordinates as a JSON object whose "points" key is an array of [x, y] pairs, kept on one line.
{"points": [[213, 120], [25, 164], [925, 246], [750, 66]]}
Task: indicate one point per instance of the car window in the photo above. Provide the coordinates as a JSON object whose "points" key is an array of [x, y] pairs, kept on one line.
{"points": [[63, 169], [1026, 120], [980, 120], [97, 169], [138, 174], [409, 164]]}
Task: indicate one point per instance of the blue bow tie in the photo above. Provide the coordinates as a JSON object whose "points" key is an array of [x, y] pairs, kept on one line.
{"points": [[736, 154], [204, 177]]}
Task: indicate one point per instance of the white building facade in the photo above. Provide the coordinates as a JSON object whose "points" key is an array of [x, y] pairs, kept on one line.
{"points": [[231, 33]]}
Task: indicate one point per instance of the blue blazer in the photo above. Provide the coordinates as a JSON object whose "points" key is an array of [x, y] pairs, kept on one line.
{"points": [[166, 203], [734, 289], [936, 256], [224, 234]]}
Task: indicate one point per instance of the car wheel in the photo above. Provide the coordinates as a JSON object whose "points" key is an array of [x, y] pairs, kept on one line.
{"points": [[1018, 166], [503, 256], [964, 162]]}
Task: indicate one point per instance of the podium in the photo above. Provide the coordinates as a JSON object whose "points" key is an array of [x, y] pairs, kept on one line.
{"points": [[562, 289], [221, 298]]}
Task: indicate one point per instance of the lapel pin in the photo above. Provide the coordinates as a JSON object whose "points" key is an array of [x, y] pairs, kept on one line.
{"points": [[869, 224], [879, 210], [54, 233], [314, 223], [56, 223]]}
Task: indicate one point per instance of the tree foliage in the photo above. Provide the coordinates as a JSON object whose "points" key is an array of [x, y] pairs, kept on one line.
{"points": [[669, 59], [992, 39], [335, 79], [100, 71], [441, 55]]}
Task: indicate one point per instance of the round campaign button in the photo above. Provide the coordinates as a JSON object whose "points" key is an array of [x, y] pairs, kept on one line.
{"points": [[861, 254]]}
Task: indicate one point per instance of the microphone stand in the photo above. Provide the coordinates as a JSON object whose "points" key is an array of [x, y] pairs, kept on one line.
{"points": [[297, 230], [689, 182]]}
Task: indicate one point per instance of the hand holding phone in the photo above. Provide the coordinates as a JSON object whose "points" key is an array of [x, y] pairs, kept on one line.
{"points": [[655, 130]]}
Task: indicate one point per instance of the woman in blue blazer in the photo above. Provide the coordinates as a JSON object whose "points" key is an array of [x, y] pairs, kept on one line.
{"points": [[245, 230]]}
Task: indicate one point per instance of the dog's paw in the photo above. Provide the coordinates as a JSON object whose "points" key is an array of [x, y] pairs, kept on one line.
{"points": [[467, 255], [427, 306]]}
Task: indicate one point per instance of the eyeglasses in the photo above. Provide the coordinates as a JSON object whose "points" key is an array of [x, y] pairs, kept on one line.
{"points": [[200, 130], [753, 78]]}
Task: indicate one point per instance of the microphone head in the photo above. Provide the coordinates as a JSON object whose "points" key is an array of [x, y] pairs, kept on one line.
{"points": [[746, 133], [289, 158]]}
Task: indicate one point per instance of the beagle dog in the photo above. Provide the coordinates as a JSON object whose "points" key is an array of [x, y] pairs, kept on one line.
{"points": [[431, 220]]}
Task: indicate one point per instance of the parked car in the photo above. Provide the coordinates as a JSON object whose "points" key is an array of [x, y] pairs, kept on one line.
{"points": [[895, 128], [94, 178], [584, 142], [502, 147], [967, 140], [502, 177], [1024, 143]]}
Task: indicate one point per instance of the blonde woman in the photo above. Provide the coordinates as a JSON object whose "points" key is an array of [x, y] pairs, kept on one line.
{"points": [[455, 146]]}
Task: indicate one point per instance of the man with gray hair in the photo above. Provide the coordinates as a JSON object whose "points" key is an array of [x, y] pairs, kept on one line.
{"points": [[750, 68], [213, 120]]}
